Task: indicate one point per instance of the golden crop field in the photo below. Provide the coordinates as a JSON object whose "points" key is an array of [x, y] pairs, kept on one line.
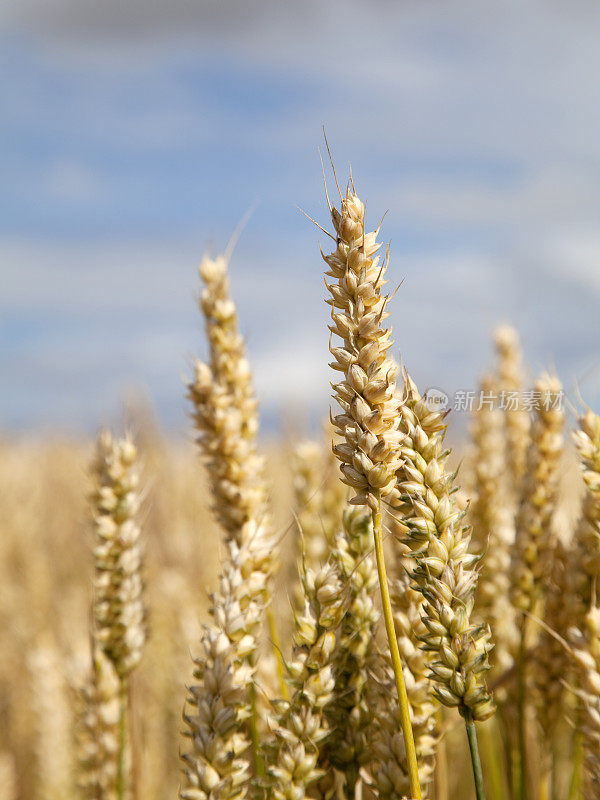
{"points": [[362, 616]]}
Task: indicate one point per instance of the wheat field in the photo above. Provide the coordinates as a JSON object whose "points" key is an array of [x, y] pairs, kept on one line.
{"points": [[362, 615]]}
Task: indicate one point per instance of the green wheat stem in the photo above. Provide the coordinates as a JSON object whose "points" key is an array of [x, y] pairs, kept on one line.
{"points": [[474, 751]]}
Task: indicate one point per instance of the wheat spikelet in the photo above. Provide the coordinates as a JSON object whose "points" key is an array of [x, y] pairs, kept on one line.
{"points": [[220, 701], [301, 727], [216, 765], [367, 424], [444, 568], [510, 385], [493, 526], [533, 543], [308, 495], [551, 662], [225, 414], [587, 660], [487, 464], [118, 606], [349, 715], [319, 500], [587, 533], [97, 731], [228, 362]]}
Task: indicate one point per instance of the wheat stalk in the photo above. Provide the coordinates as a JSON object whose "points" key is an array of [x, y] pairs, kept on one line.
{"points": [[369, 451], [118, 609], [225, 415]]}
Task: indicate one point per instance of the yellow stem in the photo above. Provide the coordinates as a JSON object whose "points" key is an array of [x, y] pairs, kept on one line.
{"points": [[575, 785], [276, 643], [259, 766], [490, 746], [441, 763], [122, 751], [522, 712], [409, 742]]}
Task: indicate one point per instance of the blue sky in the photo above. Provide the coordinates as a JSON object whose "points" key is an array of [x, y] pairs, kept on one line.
{"points": [[136, 134]]}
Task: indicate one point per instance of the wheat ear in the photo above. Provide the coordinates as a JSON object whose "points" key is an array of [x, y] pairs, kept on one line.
{"points": [[300, 727], [119, 629], [444, 569], [97, 734], [315, 535], [587, 660], [551, 662], [118, 609], [509, 380], [225, 415], [534, 541], [369, 451], [493, 526], [349, 714], [587, 533], [585, 630]]}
